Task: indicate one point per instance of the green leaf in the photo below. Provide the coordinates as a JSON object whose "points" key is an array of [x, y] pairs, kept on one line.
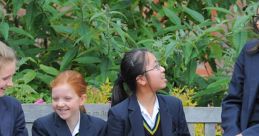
{"points": [[239, 40], [4, 30], [88, 60], [216, 28], [118, 29], [17, 4], [169, 48], [146, 41], [172, 16], [96, 16], [223, 10], [28, 88], [216, 51], [118, 13], [49, 70], [215, 87], [24, 60], [44, 78], [62, 29], [69, 56], [194, 14], [187, 50], [209, 2], [240, 23], [190, 74], [21, 32], [170, 29], [1, 14], [28, 76], [32, 11]]}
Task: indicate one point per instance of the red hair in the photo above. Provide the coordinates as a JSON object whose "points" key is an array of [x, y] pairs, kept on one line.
{"points": [[74, 79]]}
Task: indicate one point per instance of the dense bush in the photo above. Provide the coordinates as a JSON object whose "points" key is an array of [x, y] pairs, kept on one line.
{"points": [[90, 36]]}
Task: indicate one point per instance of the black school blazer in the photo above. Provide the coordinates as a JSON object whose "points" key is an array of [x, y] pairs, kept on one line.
{"points": [[53, 125], [125, 119]]}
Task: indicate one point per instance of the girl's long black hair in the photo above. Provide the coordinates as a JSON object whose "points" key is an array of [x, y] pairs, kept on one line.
{"points": [[132, 65]]}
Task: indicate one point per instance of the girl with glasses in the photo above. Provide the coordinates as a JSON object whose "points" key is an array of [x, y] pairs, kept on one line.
{"points": [[137, 109]]}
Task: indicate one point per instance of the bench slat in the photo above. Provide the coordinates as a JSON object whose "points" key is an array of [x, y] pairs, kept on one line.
{"points": [[210, 129], [191, 128]]}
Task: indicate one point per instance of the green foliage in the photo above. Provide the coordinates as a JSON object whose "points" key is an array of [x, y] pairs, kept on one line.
{"points": [[185, 95], [101, 95], [91, 37]]}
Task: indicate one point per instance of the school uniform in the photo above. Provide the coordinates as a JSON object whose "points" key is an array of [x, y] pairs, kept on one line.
{"points": [[125, 119], [240, 108], [12, 122], [53, 125]]}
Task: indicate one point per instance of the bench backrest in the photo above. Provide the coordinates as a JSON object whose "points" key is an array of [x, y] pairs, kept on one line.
{"points": [[210, 116]]}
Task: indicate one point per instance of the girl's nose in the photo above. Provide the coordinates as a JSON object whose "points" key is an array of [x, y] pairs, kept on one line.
{"points": [[10, 82], [162, 69], [60, 104]]}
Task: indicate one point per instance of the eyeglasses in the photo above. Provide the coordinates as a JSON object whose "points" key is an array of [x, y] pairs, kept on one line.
{"points": [[255, 18], [255, 22], [157, 67]]}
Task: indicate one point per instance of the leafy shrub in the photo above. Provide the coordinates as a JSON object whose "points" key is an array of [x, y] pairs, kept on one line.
{"points": [[95, 95], [91, 36]]}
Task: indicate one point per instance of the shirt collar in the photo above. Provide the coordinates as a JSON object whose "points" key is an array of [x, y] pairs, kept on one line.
{"points": [[155, 109], [76, 129]]}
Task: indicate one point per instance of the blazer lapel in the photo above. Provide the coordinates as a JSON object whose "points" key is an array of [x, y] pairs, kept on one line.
{"points": [[135, 117], [61, 127], [85, 128], [166, 119], [4, 129], [253, 89]]}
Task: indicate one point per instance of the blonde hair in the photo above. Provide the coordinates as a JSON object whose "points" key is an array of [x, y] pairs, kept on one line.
{"points": [[7, 54]]}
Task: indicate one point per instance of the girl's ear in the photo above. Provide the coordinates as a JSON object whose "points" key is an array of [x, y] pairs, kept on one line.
{"points": [[82, 99], [141, 80]]}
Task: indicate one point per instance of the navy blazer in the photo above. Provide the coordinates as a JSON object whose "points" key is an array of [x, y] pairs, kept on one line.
{"points": [[239, 103], [12, 122], [53, 125], [125, 119]]}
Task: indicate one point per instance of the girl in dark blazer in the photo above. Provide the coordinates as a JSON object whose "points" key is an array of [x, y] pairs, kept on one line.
{"points": [[12, 122], [69, 118], [240, 108], [137, 110]]}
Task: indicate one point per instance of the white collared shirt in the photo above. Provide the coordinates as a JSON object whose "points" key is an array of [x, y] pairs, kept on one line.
{"points": [[76, 129], [151, 120]]}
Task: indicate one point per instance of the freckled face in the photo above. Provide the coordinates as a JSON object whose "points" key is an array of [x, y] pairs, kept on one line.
{"points": [[65, 102]]}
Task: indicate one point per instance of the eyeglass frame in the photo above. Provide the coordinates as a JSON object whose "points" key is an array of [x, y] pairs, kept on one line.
{"points": [[157, 67], [255, 18]]}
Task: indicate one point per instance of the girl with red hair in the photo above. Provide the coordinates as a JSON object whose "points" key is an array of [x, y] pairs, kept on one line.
{"points": [[69, 119]]}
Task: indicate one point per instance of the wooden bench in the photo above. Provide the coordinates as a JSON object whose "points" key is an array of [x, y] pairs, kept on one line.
{"points": [[210, 116]]}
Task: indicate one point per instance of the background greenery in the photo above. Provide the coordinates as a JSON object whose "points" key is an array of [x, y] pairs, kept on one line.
{"points": [[91, 36]]}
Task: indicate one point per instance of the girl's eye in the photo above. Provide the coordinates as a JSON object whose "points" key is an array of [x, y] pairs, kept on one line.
{"points": [[68, 98], [54, 99], [6, 78], [158, 66]]}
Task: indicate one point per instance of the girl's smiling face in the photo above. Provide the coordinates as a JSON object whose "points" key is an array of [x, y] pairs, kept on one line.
{"points": [[154, 73], [65, 102], [6, 75]]}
